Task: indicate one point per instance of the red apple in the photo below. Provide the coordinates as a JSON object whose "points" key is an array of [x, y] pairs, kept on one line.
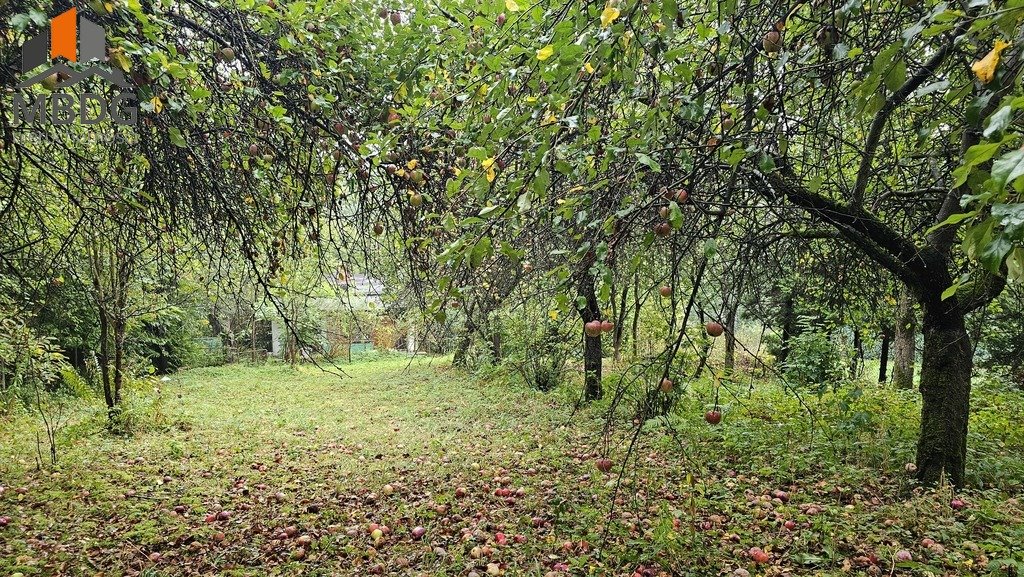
{"points": [[396, 18], [662, 229], [758, 555], [501, 19], [666, 385], [607, 326], [789, 525], [5, 521], [714, 329], [957, 504], [682, 196], [713, 416], [665, 291], [418, 532], [593, 328], [604, 465]]}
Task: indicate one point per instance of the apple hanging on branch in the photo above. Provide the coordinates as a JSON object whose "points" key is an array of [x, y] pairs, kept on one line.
{"points": [[666, 385], [593, 328], [713, 417], [714, 329]]}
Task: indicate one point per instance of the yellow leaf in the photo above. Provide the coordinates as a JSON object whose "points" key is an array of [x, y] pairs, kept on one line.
{"points": [[108, 6], [511, 6], [549, 119], [489, 167], [546, 52], [482, 91], [158, 104], [985, 69], [589, 68], [553, 314], [412, 164], [608, 15], [122, 62]]}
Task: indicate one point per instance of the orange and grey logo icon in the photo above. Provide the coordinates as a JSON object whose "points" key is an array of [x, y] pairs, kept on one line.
{"points": [[81, 42], [74, 41]]}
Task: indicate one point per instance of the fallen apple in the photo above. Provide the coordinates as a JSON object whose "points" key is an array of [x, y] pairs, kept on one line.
{"points": [[758, 555], [418, 532], [604, 465]]}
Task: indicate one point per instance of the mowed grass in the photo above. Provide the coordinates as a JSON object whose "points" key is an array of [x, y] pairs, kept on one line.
{"points": [[302, 465]]}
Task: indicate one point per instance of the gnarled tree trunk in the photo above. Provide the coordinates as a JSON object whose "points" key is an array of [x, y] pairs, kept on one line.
{"points": [[945, 391]]}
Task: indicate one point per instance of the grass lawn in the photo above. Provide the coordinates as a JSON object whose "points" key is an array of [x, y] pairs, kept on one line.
{"points": [[241, 470]]}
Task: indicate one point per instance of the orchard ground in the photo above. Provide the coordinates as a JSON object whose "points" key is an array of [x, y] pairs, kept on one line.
{"points": [[266, 470]]}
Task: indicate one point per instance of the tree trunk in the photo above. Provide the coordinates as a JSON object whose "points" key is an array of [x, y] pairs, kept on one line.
{"points": [[787, 329], [730, 337], [945, 391], [620, 322], [634, 341], [857, 363], [883, 357], [461, 357], [591, 345], [905, 345]]}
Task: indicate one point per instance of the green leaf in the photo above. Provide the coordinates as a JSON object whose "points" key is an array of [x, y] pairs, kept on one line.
{"points": [[1008, 168], [953, 219], [976, 155], [176, 138], [1015, 265], [896, 75], [481, 250], [998, 121], [648, 162], [994, 251]]}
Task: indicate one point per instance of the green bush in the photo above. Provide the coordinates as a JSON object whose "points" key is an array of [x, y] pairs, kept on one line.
{"points": [[814, 360]]}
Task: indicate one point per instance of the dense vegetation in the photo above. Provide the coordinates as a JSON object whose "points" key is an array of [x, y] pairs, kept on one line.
{"points": [[789, 233]]}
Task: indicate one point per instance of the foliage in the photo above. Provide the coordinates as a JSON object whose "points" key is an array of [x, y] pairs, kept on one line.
{"points": [[32, 370], [538, 349], [815, 360]]}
